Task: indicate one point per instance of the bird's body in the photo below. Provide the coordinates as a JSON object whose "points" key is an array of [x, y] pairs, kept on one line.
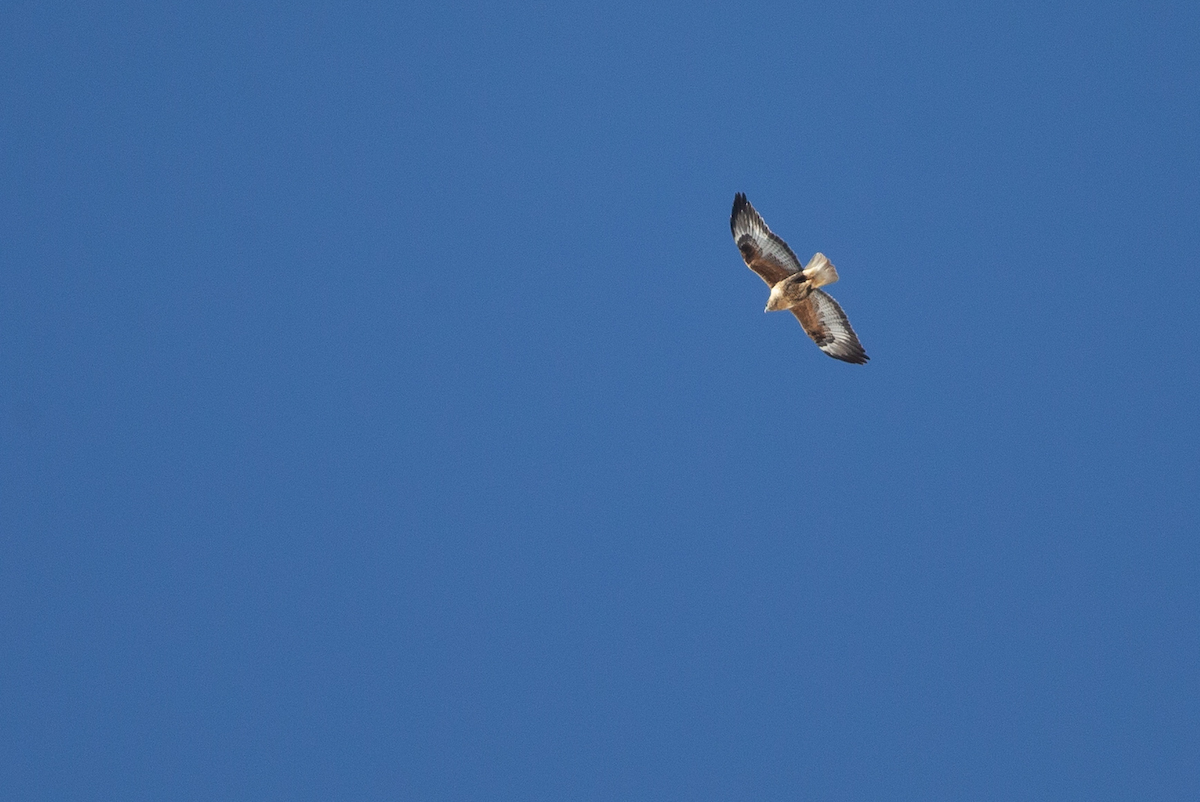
{"points": [[799, 286], [793, 287]]}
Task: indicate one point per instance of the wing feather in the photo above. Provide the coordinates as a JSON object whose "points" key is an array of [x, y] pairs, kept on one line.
{"points": [[829, 327], [764, 252]]}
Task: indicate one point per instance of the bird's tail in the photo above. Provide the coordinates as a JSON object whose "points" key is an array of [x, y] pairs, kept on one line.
{"points": [[820, 271]]}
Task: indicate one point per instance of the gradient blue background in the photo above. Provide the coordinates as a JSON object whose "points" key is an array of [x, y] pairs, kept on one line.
{"points": [[387, 413]]}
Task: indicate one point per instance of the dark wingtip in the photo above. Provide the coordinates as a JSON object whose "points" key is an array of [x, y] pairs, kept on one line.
{"points": [[858, 358], [739, 203], [855, 355]]}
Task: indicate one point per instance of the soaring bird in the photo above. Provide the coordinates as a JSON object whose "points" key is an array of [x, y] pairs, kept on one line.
{"points": [[794, 287]]}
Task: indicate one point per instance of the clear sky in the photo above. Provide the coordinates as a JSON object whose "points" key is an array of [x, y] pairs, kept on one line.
{"points": [[387, 412]]}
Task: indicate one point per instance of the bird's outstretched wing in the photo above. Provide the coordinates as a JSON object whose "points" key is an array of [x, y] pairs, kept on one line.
{"points": [[827, 324], [765, 253]]}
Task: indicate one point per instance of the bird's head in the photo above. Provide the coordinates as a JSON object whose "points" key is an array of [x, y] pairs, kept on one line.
{"points": [[776, 298], [787, 293]]}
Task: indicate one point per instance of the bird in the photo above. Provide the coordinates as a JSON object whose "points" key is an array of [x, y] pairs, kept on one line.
{"points": [[794, 287]]}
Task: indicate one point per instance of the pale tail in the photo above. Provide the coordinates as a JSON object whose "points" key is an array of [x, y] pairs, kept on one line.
{"points": [[820, 271]]}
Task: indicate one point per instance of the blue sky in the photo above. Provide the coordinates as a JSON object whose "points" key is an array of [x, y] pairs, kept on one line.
{"points": [[386, 413]]}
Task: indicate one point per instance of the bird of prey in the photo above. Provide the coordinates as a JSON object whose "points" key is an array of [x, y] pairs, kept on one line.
{"points": [[794, 287]]}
